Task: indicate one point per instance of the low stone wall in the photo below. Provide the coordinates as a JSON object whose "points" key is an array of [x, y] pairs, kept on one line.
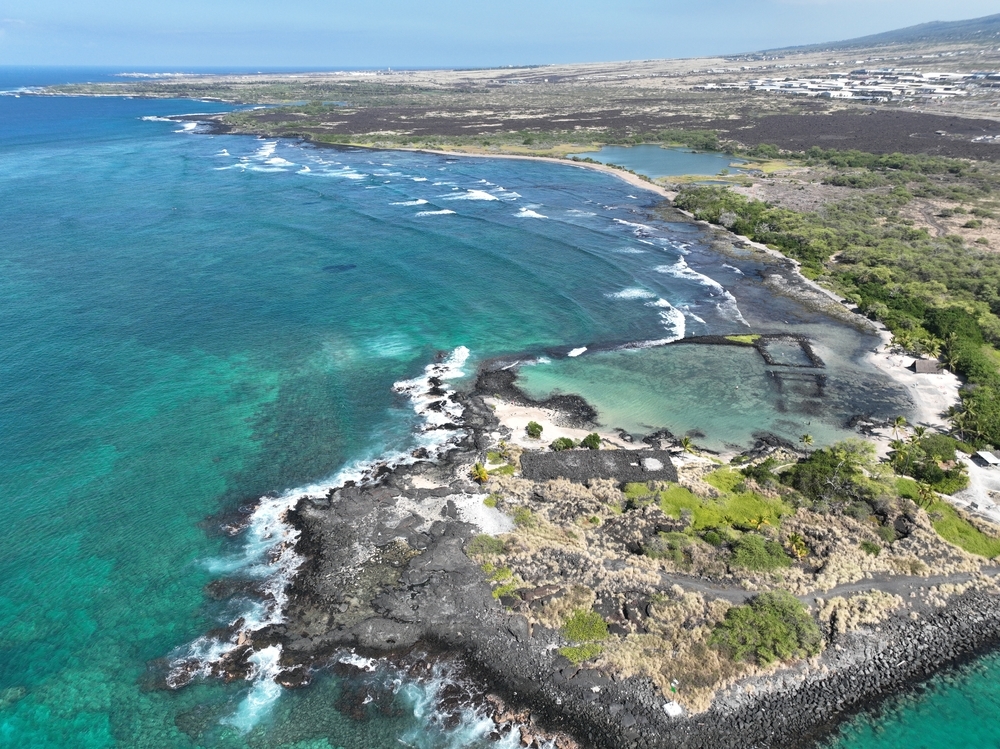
{"points": [[625, 466]]}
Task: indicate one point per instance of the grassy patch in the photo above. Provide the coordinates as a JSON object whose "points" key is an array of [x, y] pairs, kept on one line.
{"points": [[955, 529], [746, 340], [908, 488], [485, 545], [502, 578], [577, 654], [585, 626], [507, 470], [724, 479], [523, 517], [746, 509]]}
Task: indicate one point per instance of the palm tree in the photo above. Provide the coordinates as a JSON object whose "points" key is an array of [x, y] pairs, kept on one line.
{"points": [[479, 473], [687, 445], [931, 346], [797, 545], [918, 433], [806, 440], [898, 424], [925, 495], [900, 455], [903, 340]]}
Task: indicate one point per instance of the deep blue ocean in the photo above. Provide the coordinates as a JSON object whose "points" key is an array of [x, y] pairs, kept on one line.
{"points": [[191, 322]]}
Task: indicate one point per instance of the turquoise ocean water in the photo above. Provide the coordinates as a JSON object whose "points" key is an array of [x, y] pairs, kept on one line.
{"points": [[191, 322]]}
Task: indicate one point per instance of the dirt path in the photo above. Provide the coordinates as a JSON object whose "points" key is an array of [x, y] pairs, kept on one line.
{"points": [[900, 585]]}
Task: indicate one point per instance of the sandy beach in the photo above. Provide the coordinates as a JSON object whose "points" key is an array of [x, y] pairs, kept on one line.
{"points": [[633, 179], [516, 417]]}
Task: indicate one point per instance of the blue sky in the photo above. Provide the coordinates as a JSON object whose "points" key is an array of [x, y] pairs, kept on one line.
{"points": [[378, 33]]}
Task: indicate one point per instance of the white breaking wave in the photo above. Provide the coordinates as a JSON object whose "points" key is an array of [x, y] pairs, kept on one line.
{"points": [[528, 213], [472, 195], [269, 552], [692, 315], [728, 307], [633, 225], [434, 213], [419, 179], [732, 268], [672, 319], [264, 692], [187, 127], [632, 293], [629, 251], [681, 269], [266, 151], [577, 351], [418, 201]]}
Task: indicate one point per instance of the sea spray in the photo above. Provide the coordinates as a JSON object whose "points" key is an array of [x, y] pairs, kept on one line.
{"points": [[269, 554]]}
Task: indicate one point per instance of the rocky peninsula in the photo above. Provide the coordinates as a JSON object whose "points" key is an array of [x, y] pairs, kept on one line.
{"points": [[584, 609]]}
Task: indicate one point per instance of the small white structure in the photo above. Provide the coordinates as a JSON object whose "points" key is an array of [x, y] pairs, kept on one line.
{"points": [[673, 709], [988, 458]]}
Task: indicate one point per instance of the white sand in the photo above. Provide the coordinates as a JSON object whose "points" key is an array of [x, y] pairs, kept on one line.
{"points": [[933, 394], [633, 179], [516, 418]]}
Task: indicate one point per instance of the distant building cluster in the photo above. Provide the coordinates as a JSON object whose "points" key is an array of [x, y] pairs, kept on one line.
{"points": [[865, 84]]}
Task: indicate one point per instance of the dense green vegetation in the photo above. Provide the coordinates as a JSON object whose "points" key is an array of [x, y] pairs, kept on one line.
{"points": [[562, 443], [587, 629], [770, 627], [533, 430], [592, 441], [755, 553], [939, 296]]}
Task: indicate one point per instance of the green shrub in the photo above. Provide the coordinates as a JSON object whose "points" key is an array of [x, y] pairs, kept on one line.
{"points": [[494, 457], [563, 443], [753, 552], [770, 627], [592, 441], [523, 517], [667, 546], [871, 548], [713, 537], [585, 626], [491, 501], [534, 430], [485, 545], [887, 533]]}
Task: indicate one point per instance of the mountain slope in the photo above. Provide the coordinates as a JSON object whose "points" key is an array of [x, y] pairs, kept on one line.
{"points": [[970, 30]]}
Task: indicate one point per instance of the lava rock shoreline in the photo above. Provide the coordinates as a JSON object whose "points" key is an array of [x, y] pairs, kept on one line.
{"points": [[361, 588]]}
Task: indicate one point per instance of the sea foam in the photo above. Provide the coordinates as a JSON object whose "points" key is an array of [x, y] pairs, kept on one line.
{"points": [[268, 552]]}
